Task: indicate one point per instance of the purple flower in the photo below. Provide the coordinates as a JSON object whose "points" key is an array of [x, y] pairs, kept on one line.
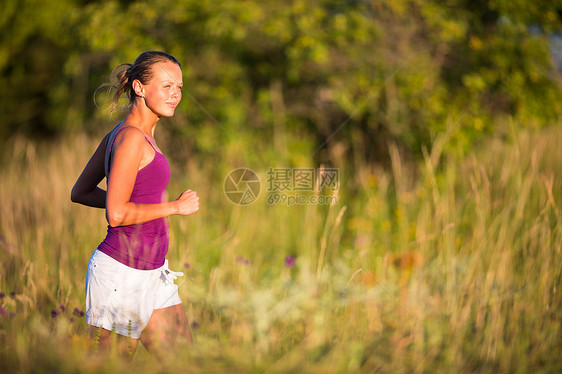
{"points": [[243, 261], [186, 265], [2, 294], [13, 294], [290, 261], [194, 325], [54, 313], [78, 312], [2, 311], [62, 308]]}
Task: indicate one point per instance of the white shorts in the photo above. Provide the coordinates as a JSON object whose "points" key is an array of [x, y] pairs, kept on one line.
{"points": [[121, 299]]}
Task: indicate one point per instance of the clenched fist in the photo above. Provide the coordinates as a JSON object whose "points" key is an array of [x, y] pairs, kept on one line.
{"points": [[188, 203]]}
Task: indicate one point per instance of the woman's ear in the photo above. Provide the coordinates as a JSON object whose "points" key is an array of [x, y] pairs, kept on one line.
{"points": [[138, 88]]}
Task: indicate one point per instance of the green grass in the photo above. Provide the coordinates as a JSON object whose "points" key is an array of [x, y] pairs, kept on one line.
{"points": [[457, 269]]}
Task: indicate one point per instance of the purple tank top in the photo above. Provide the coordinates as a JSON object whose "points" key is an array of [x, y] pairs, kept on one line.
{"points": [[142, 246]]}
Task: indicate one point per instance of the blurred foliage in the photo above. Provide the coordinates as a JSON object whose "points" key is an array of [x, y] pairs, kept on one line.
{"points": [[341, 77]]}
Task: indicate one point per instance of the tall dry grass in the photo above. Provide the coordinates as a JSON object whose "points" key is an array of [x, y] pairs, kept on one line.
{"points": [[454, 270]]}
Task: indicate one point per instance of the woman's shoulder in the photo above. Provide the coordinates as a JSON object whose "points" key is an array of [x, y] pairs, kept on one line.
{"points": [[129, 135]]}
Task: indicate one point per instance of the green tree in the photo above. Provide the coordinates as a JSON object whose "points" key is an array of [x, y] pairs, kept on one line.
{"points": [[348, 76]]}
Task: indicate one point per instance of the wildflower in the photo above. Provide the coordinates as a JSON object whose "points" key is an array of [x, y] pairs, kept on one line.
{"points": [[186, 265], [54, 313], [2, 295], [78, 312], [361, 240], [2, 311], [243, 261], [290, 261], [194, 325], [62, 308], [13, 294]]}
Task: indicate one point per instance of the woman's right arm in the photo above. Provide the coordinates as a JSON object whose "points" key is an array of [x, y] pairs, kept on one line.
{"points": [[86, 190]]}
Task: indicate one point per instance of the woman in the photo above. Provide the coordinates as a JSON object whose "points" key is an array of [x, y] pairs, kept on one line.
{"points": [[129, 288]]}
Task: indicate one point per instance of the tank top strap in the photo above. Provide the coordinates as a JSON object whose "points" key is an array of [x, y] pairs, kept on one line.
{"points": [[152, 145]]}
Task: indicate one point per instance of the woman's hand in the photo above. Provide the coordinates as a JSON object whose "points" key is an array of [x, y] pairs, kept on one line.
{"points": [[188, 203]]}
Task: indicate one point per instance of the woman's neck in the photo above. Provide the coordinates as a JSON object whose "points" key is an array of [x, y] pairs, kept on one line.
{"points": [[145, 119]]}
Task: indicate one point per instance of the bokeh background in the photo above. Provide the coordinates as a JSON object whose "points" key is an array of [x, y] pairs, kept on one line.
{"points": [[442, 252]]}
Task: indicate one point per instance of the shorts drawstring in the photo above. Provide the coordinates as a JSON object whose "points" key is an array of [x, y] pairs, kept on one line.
{"points": [[169, 275]]}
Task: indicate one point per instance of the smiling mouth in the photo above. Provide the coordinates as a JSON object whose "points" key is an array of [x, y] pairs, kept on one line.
{"points": [[173, 105]]}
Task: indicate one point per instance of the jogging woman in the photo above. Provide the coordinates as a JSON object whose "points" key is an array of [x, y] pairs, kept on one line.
{"points": [[129, 287]]}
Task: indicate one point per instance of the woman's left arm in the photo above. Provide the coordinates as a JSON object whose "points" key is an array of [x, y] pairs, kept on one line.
{"points": [[86, 190]]}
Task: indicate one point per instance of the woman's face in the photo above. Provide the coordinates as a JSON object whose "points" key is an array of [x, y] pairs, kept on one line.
{"points": [[163, 92]]}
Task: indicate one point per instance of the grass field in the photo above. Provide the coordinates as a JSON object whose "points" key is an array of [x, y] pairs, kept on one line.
{"points": [[457, 269]]}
